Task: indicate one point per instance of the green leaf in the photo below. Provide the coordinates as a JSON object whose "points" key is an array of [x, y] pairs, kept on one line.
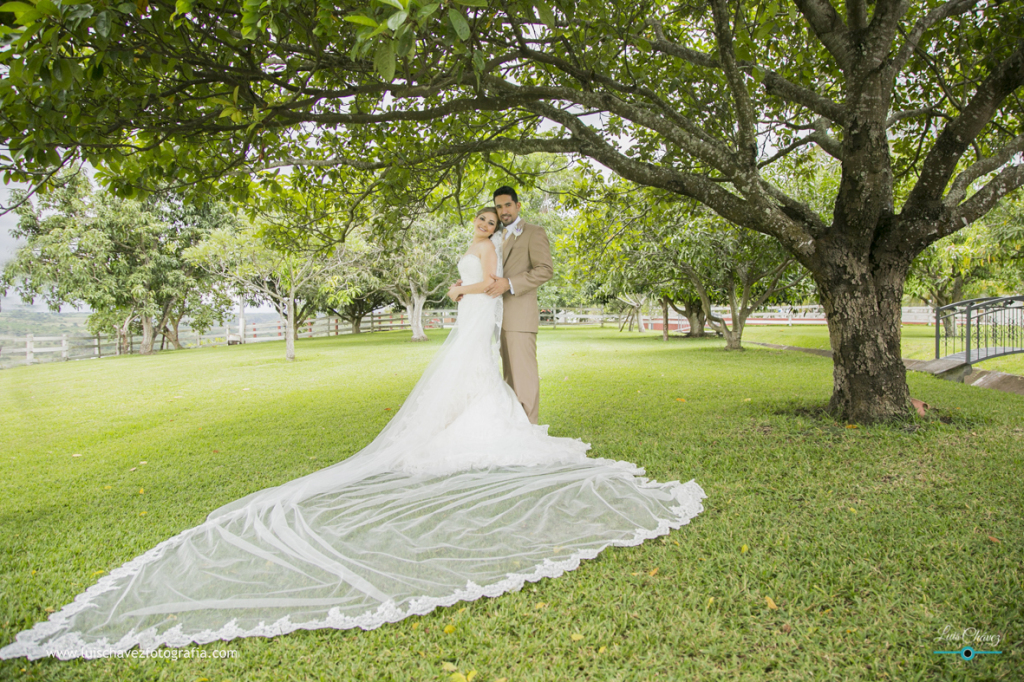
{"points": [[384, 61], [394, 3], [80, 12], [472, 3], [459, 23], [102, 24], [427, 10], [16, 7], [360, 19], [404, 43], [397, 19], [545, 13]]}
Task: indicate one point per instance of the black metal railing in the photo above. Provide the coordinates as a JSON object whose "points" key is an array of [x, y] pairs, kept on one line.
{"points": [[980, 329]]}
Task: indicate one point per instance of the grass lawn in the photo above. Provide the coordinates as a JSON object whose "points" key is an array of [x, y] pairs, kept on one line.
{"points": [[824, 552], [918, 343]]}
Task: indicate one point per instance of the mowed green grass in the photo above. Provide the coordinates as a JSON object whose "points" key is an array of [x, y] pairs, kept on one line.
{"points": [[918, 342], [869, 542]]}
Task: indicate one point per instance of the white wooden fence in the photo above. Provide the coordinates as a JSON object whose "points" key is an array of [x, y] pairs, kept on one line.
{"points": [[31, 349]]}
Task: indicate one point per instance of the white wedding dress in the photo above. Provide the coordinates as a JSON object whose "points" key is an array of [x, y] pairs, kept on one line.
{"points": [[459, 497]]}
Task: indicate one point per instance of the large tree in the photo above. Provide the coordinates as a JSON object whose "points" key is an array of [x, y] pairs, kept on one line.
{"points": [[122, 258], [914, 98], [644, 241]]}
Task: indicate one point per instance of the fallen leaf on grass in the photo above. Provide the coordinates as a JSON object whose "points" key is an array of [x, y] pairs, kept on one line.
{"points": [[653, 572], [142, 513], [746, 400], [96, 573], [993, 539], [48, 609], [448, 667], [142, 491], [107, 487], [680, 400], [576, 637], [415, 626], [132, 469], [602, 650], [786, 628], [540, 605], [852, 426], [743, 549], [76, 455], [771, 603], [449, 629]]}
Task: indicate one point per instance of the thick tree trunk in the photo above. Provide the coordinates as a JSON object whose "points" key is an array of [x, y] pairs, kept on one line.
{"points": [[693, 311], [171, 332], [863, 305], [733, 337], [289, 332], [664, 318], [943, 299], [357, 323], [146, 348], [416, 317]]}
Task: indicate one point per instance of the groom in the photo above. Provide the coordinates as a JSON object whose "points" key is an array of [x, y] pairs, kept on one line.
{"points": [[526, 262]]}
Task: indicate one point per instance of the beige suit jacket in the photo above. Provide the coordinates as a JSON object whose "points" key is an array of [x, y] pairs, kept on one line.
{"points": [[526, 262]]}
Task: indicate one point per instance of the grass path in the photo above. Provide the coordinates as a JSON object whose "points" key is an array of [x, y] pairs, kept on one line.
{"points": [[869, 542]]}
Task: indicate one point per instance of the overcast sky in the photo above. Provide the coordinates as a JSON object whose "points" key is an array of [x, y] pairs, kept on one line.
{"points": [[8, 245]]}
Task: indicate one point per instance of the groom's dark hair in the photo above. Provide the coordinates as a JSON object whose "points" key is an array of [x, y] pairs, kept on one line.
{"points": [[505, 190]]}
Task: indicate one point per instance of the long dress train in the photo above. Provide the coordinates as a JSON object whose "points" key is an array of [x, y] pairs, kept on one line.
{"points": [[459, 497]]}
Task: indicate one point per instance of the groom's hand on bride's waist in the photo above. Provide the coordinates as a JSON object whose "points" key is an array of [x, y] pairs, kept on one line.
{"points": [[498, 287]]}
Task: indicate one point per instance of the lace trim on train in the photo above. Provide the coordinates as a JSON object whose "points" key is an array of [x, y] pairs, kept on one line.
{"points": [[688, 495]]}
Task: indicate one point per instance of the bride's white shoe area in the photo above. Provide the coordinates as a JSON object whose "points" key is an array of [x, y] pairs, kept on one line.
{"points": [[458, 498]]}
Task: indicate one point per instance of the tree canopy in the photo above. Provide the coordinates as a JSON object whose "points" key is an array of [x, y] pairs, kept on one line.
{"points": [[919, 102]]}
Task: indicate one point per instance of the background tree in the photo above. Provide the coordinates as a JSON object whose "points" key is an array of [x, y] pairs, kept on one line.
{"points": [[421, 264], [288, 280], [982, 260], [914, 98], [122, 258], [648, 242]]}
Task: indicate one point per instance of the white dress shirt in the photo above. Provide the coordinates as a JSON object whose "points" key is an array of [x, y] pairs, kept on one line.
{"points": [[513, 229]]}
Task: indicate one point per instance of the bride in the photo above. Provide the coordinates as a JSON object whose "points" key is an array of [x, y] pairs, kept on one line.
{"points": [[459, 497]]}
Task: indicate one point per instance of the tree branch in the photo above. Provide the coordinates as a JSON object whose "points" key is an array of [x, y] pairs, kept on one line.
{"points": [[958, 134], [949, 9], [958, 190], [741, 97], [829, 28], [983, 200]]}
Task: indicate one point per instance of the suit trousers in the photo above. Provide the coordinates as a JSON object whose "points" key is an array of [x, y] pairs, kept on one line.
{"points": [[519, 366]]}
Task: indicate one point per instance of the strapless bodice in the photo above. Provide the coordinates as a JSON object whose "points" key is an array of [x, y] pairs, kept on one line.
{"points": [[471, 269]]}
